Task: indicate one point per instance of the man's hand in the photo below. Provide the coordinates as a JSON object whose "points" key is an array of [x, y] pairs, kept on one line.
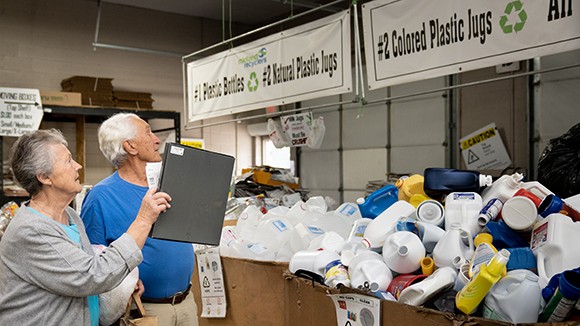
{"points": [[152, 204], [139, 287]]}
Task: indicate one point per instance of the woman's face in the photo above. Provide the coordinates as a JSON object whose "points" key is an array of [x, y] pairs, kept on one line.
{"points": [[65, 176]]}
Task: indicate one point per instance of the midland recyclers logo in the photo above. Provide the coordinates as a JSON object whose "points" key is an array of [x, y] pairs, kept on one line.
{"points": [[254, 60], [514, 10]]}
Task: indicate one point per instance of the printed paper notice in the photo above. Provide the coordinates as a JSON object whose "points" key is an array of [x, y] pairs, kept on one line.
{"points": [[20, 111], [484, 150], [211, 281], [153, 172], [357, 310]]}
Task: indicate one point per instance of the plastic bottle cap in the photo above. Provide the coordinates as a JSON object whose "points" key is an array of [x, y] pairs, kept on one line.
{"points": [[483, 238], [429, 211], [485, 180], [360, 201], [365, 243], [519, 213], [399, 183], [515, 179]]}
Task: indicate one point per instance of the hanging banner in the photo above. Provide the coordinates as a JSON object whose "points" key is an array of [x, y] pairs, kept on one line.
{"points": [[305, 62], [20, 111], [412, 40], [483, 149]]}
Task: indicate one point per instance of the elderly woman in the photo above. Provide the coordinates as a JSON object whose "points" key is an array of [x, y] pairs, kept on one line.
{"points": [[49, 274]]}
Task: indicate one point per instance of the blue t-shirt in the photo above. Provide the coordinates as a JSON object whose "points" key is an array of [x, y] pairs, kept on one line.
{"points": [[73, 233], [108, 210]]}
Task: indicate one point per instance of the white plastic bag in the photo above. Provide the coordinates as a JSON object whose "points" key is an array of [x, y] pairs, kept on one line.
{"points": [[277, 135], [316, 133], [112, 304]]}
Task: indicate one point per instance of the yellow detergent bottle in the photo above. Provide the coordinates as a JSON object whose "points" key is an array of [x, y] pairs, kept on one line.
{"points": [[469, 298], [410, 186], [484, 252]]}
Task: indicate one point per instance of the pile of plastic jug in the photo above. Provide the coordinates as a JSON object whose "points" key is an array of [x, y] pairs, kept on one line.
{"points": [[451, 240]]}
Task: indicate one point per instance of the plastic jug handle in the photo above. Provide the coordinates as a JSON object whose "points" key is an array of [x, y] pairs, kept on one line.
{"points": [[366, 273], [542, 266]]}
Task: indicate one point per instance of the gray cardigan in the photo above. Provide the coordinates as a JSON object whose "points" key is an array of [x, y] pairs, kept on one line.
{"points": [[45, 278]]}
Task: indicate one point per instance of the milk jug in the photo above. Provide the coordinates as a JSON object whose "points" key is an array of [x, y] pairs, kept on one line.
{"points": [[403, 252], [555, 243], [302, 235], [379, 229], [378, 201], [317, 204], [274, 233], [349, 212], [250, 217], [277, 134], [316, 134], [452, 246], [327, 241], [441, 280], [410, 186], [515, 298], [297, 212], [463, 208]]}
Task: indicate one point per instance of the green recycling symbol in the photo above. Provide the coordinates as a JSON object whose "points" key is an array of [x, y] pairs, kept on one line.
{"points": [[508, 10], [255, 79]]}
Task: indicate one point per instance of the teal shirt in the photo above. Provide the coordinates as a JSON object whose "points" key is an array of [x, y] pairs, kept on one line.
{"points": [[73, 233]]}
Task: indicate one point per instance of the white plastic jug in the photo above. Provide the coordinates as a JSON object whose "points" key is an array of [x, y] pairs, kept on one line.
{"points": [[241, 248], [349, 212], [249, 217], [277, 134], [350, 249], [516, 298], [555, 243], [274, 233], [327, 241], [297, 212], [383, 225], [302, 235], [429, 233], [330, 222], [229, 233], [317, 204], [536, 188], [453, 245], [464, 208], [503, 188], [312, 261], [316, 134], [403, 252], [368, 270], [441, 280]]}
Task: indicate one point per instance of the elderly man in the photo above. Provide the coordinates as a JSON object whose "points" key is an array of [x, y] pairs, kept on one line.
{"points": [[110, 207]]}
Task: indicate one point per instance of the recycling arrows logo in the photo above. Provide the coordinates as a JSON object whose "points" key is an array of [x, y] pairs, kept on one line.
{"points": [[503, 21], [255, 79]]}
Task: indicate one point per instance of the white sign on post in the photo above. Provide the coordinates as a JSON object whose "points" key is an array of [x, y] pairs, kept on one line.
{"points": [[484, 150], [211, 281], [297, 128], [305, 62], [20, 111], [357, 309], [409, 40]]}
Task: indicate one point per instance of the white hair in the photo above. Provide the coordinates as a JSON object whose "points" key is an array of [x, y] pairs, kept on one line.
{"points": [[113, 132]]}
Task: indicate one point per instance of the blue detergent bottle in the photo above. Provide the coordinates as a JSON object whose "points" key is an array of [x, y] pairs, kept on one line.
{"points": [[503, 236], [442, 181], [378, 201]]}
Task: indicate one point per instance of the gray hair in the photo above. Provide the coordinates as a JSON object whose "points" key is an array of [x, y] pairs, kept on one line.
{"points": [[113, 132], [30, 156]]}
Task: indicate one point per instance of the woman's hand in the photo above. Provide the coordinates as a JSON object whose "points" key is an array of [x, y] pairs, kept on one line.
{"points": [[152, 204], [139, 287]]}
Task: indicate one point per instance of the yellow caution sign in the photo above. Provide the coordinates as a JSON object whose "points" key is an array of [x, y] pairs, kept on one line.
{"points": [[197, 143], [487, 134]]}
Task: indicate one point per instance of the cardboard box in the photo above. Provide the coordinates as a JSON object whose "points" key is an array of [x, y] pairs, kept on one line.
{"points": [[60, 98], [264, 178], [254, 293], [309, 305], [86, 83]]}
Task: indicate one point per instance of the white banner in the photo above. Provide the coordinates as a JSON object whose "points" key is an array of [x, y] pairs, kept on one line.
{"points": [[412, 40], [20, 111], [305, 62]]}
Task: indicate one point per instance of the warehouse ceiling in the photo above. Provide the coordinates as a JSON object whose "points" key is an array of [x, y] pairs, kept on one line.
{"points": [[254, 13]]}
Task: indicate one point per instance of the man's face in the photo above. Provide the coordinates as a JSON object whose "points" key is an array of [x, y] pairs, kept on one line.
{"points": [[146, 143]]}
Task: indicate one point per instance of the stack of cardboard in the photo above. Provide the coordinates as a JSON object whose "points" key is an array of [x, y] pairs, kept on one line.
{"points": [[94, 90], [135, 100]]}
